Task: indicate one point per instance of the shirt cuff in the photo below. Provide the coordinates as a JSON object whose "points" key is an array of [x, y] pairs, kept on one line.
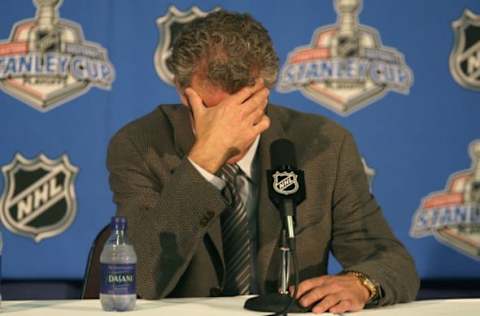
{"points": [[217, 182]]}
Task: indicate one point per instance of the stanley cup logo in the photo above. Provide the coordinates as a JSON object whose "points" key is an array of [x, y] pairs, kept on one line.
{"points": [[345, 67], [46, 60], [453, 215]]}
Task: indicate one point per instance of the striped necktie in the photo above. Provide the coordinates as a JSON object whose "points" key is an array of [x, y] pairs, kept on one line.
{"points": [[236, 240]]}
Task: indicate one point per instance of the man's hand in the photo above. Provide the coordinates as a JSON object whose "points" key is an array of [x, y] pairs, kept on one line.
{"points": [[335, 294], [228, 129]]}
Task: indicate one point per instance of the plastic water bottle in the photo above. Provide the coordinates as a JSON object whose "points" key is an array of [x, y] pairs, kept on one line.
{"points": [[118, 263]]}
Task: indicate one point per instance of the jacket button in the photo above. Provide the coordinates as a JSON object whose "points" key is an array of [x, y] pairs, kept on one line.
{"points": [[206, 218], [203, 221], [215, 291], [209, 215]]}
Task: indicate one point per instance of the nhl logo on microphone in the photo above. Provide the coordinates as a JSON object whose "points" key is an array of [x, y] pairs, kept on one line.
{"points": [[285, 182]]}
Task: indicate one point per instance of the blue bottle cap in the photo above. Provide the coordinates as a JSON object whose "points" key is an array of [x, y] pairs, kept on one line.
{"points": [[119, 223]]}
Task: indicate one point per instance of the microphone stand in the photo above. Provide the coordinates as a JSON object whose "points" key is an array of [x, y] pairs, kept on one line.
{"points": [[282, 302], [285, 269]]}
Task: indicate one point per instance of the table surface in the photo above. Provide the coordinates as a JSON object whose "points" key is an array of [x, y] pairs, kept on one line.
{"points": [[226, 306]]}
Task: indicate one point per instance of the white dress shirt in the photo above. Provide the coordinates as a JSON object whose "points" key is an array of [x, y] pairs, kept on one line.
{"points": [[245, 164]]}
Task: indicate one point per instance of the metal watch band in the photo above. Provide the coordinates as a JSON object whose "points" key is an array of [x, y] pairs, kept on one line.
{"points": [[372, 286]]}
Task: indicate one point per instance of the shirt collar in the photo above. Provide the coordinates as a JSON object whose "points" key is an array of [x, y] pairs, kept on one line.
{"points": [[246, 163]]}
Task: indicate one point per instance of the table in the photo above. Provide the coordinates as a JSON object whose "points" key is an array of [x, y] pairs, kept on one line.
{"points": [[230, 306]]}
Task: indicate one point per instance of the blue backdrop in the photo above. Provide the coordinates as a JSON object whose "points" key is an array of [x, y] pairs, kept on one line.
{"points": [[414, 141]]}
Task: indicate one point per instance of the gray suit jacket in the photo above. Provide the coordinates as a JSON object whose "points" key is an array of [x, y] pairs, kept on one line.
{"points": [[173, 212]]}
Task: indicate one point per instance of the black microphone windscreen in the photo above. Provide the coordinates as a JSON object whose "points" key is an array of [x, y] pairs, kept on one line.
{"points": [[282, 154]]}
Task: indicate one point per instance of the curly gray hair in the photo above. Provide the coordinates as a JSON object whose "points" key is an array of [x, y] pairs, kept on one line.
{"points": [[230, 49]]}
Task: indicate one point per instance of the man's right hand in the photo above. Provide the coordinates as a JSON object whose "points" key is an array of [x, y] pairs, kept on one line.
{"points": [[224, 132]]}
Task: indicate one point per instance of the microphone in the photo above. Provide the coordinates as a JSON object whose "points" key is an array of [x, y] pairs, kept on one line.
{"points": [[286, 189], [286, 184]]}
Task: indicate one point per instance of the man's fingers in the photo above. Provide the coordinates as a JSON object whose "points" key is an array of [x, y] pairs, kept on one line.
{"points": [[258, 101], [256, 115], [309, 284], [262, 125], [331, 293], [328, 302], [246, 92], [195, 102], [342, 307], [291, 290], [314, 295]]}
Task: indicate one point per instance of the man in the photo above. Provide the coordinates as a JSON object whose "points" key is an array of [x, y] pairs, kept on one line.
{"points": [[168, 174]]}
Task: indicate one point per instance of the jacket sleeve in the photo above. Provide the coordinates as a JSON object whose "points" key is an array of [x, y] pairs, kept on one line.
{"points": [[362, 240], [168, 212]]}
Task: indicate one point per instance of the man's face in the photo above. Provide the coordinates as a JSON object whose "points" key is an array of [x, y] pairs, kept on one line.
{"points": [[209, 93], [211, 96]]}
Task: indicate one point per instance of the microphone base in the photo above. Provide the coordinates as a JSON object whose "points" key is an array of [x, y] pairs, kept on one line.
{"points": [[274, 302]]}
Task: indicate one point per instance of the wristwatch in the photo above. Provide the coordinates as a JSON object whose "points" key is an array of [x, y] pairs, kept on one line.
{"points": [[371, 286]]}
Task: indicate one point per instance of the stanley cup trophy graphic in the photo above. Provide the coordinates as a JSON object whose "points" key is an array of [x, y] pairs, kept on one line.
{"points": [[472, 189], [45, 36], [349, 41], [346, 42]]}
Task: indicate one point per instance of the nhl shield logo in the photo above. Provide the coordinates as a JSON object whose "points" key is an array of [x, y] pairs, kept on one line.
{"points": [[465, 56], [452, 216], [169, 26], [46, 61], [346, 66], [39, 196], [285, 183]]}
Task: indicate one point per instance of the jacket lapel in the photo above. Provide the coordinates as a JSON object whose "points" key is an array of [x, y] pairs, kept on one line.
{"points": [[179, 117]]}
